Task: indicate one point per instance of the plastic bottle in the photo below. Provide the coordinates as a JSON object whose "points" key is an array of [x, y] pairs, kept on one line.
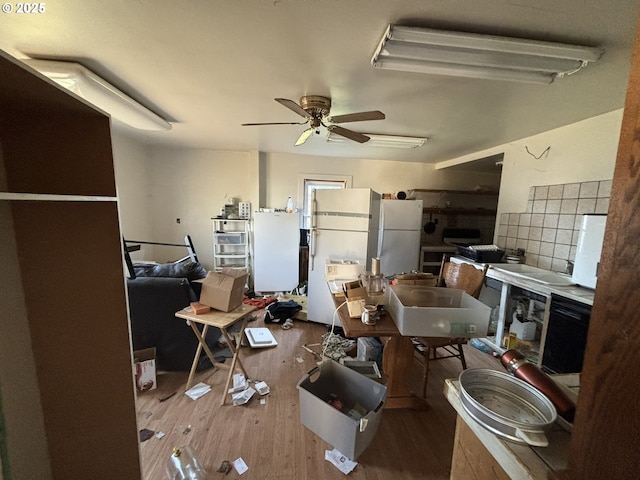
{"points": [[183, 464], [289, 205]]}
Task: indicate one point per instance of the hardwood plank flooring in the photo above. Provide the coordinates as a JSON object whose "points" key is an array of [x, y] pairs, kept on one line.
{"points": [[409, 444]]}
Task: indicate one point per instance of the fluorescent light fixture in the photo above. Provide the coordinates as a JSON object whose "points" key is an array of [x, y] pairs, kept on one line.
{"points": [[388, 141], [86, 84], [439, 52]]}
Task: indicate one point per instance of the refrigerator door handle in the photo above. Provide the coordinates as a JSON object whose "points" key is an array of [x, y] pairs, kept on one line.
{"points": [[380, 244], [313, 231], [312, 247]]}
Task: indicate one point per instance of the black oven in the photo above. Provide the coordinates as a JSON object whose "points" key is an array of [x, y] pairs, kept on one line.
{"points": [[566, 336]]}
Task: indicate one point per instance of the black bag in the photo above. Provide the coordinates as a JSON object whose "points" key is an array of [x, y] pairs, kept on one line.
{"points": [[281, 311]]}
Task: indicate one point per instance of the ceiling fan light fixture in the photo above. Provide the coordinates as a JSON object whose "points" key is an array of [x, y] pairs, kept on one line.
{"points": [[383, 141], [97, 91], [440, 52]]}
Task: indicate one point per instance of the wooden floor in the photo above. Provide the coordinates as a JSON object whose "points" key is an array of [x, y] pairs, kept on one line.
{"points": [[271, 440]]}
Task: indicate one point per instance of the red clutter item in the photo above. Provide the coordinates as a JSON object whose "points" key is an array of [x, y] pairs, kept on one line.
{"points": [[517, 364]]}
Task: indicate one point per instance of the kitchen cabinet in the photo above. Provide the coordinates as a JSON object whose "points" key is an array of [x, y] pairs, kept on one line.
{"points": [[515, 287], [65, 349]]}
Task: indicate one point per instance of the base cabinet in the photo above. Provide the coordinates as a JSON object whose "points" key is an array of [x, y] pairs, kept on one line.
{"points": [[471, 460]]}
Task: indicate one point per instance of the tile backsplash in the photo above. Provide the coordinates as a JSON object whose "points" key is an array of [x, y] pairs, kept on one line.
{"points": [[548, 229]]}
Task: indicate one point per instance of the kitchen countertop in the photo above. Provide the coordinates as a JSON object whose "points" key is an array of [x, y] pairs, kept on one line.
{"points": [[517, 460], [573, 292]]}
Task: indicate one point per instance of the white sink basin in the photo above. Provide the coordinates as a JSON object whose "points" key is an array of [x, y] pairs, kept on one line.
{"points": [[536, 274]]}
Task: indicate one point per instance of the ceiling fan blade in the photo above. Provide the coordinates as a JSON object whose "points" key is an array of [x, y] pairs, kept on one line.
{"points": [[358, 117], [350, 134], [271, 123], [291, 105], [304, 136]]}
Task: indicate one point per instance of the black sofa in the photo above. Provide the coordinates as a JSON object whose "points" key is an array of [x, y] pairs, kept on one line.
{"points": [[155, 294]]}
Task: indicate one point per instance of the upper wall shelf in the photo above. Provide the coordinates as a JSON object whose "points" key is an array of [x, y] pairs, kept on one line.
{"points": [[456, 192], [460, 211]]}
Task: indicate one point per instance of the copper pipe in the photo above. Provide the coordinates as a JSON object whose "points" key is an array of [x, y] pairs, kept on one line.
{"points": [[517, 364]]}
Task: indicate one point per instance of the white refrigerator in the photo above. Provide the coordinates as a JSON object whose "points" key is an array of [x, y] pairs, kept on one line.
{"points": [[589, 250], [344, 226], [399, 236], [276, 240]]}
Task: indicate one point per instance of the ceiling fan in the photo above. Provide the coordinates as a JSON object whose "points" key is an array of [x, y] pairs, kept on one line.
{"points": [[315, 109]]}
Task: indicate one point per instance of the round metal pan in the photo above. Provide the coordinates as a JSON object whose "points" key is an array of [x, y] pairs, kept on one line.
{"points": [[507, 406]]}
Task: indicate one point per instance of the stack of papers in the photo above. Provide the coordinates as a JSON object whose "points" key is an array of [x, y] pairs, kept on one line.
{"points": [[198, 390], [260, 337]]}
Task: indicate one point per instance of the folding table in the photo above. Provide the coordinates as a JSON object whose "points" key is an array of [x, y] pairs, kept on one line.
{"points": [[223, 321]]}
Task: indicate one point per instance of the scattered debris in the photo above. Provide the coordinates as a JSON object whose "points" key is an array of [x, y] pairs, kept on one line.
{"points": [[198, 390], [263, 401], [343, 464], [335, 347], [299, 359], [239, 383], [240, 466], [288, 323], [164, 399], [187, 430], [262, 388], [225, 467], [159, 434], [146, 434], [315, 354], [242, 397]]}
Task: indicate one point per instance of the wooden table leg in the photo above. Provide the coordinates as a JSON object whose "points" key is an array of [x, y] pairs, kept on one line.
{"points": [[201, 344], [397, 357], [235, 349]]}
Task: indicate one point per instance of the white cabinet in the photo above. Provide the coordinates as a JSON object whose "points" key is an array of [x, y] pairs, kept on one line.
{"points": [[230, 243]]}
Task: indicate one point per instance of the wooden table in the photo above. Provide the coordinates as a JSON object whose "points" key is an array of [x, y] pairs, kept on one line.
{"points": [[397, 354], [221, 320]]}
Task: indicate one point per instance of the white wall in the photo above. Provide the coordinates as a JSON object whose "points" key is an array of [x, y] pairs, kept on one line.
{"points": [[132, 172], [580, 152], [192, 185], [283, 171]]}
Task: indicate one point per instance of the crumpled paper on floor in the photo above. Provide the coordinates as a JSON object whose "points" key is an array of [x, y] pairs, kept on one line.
{"points": [[243, 397], [198, 390], [343, 464]]}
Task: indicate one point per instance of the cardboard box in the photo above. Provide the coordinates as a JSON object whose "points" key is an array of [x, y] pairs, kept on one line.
{"points": [[223, 290], [356, 296], [144, 369], [351, 429], [437, 312]]}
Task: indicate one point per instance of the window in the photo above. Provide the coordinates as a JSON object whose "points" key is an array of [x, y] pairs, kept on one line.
{"points": [[318, 182]]}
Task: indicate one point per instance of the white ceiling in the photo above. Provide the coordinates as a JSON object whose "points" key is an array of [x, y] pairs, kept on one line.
{"points": [[210, 65]]}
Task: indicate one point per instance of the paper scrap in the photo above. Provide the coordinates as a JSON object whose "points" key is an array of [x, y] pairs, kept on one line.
{"points": [[239, 383], [240, 466], [159, 434], [263, 401], [198, 390], [243, 397], [343, 464], [262, 388]]}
